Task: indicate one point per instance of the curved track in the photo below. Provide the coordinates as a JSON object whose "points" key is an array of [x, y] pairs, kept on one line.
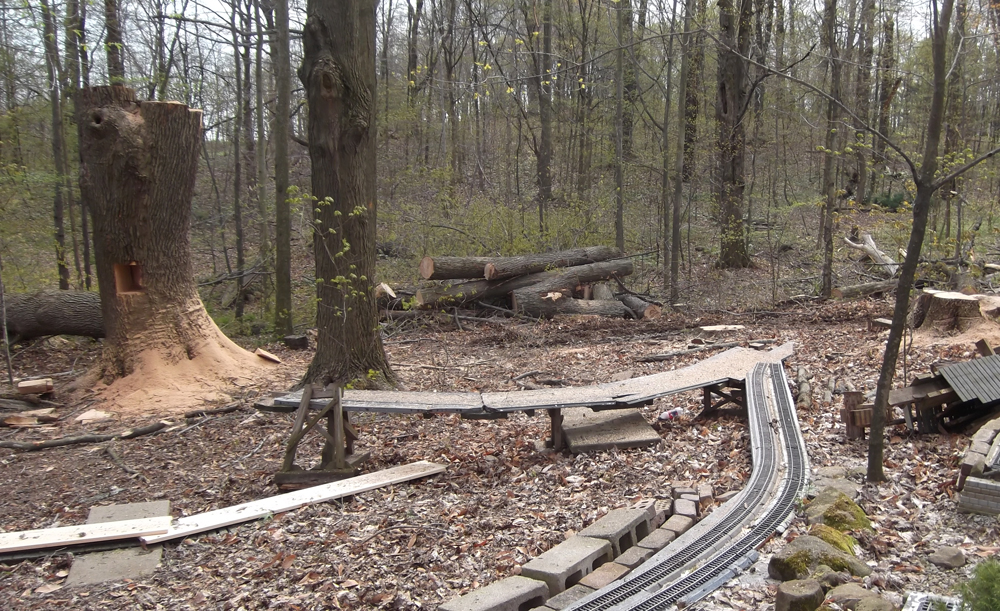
{"points": [[723, 544]]}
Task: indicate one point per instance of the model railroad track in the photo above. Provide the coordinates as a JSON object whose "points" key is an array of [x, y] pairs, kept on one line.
{"points": [[726, 542]]}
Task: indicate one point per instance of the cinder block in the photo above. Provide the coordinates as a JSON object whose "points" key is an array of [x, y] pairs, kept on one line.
{"points": [[705, 495], [510, 594], [570, 596], [975, 483], [620, 527], [647, 505], [664, 509], [685, 507], [658, 539], [680, 491], [635, 556], [604, 575], [567, 563], [678, 524]]}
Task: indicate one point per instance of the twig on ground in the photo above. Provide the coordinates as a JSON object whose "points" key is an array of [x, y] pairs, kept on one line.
{"points": [[31, 446]]}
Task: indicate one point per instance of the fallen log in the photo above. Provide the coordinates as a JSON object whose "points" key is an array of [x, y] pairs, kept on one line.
{"points": [[537, 305], [31, 315], [31, 446], [642, 309], [453, 268], [508, 267], [462, 293], [864, 290], [568, 279], [882, 260]]}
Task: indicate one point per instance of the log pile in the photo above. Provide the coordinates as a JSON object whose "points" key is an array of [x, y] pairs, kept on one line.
{"points": [[539, 285]]}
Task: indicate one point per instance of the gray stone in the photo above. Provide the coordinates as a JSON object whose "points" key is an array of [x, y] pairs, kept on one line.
{"points": [[705, 495], [605, 574], [948, 558], [567, 563], [635, 556], [664, 509], [800, 557], [725, 496], [849, 595], [799, 595], [115, 565], [685, 507], [678, 524], [570, 596], [680, 491], [658, 539], [590, 431], [830, 578], [833, 503], [620, 527], [510, 594], [875, 603]]}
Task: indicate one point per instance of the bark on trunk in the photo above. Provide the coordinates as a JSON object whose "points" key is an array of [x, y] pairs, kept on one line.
{"points": [[864, 290], [137, 174], [531, 303], [497, 269], [54, 313], [570, 278], [948, 311], [338, 72], [282, 220], [461, 293], [642, 309], [453, 268]]}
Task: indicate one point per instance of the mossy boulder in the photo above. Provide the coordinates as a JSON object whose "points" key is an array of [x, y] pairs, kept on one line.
{"points": [[834, 537], [803, 555], [836, 510]]}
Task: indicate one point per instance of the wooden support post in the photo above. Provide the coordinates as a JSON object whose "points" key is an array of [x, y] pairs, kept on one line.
{"points": [[851, 402], [984, 348], [296, 436], [338, 432], [558, 440]]}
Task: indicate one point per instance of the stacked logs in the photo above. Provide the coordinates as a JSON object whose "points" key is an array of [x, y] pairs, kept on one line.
{"points": [[538, 285]]}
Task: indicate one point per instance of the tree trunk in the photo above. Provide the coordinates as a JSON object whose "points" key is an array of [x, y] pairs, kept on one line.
{"points": [[681, 171], [620, 132], [508, 267], [863, 290], [338, 72], [829, 36], [924, 179], [282, 221], [448, 268], [642, 309], [730, 107], [887, 89], [45, 313], [58, 141], [138, 167], [862, 95], [238, 124], [113, 42]]}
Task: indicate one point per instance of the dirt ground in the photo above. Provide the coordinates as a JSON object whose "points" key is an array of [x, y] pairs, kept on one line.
{"points": [[501, 500]]}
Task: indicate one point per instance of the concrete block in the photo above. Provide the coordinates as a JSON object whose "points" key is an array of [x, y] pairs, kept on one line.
{"points": [[620, 527], [705, 495], [119, 564], [685, 507], [635, 555], [647, 505], [664, 509], [694, 498], [604, 575], [656, 510], [658, 539], [725, 496], [985, 485], [678, 524], [590, 431], [680, 491], [567, 563], [570, 596], [510, 594]]}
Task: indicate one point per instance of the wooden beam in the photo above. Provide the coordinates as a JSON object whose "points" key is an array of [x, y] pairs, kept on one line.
{"points": [[253, 510], [84, 533]]}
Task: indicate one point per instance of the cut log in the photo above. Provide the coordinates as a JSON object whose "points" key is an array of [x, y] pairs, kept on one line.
{"points": [[453, 268], [883, 262], [949, 311], [35, 387], [864, 290], [530, 303], [31, 315], [642, 309], [568, 279], [602, 291], [508, 267]]}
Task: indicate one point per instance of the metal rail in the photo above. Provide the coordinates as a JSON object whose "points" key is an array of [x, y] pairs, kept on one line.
{"points": [[724, 546]]}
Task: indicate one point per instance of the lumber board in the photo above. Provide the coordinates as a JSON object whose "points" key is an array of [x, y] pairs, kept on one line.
{"points": [[83, 533], [253, 510]]}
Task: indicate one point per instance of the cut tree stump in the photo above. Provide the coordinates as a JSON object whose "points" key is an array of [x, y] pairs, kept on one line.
{"points": [[508, 267], [949, 311]]}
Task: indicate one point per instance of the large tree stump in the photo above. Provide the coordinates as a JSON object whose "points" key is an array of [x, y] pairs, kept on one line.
{"points": [[137, 175], [949, 311]]}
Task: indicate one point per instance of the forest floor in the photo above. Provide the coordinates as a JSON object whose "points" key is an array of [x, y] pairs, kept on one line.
{"points": [[501, 500]]}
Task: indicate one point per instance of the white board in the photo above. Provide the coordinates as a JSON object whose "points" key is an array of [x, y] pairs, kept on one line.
{"points": [[84, 533], [253, 510]]}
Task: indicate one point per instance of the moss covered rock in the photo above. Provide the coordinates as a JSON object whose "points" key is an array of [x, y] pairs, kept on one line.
{"points": [[801, 557], [835, 509], [834, 537]]}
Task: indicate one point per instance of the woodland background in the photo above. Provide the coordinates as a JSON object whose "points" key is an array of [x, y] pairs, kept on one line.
{"points": [[517, 126]]}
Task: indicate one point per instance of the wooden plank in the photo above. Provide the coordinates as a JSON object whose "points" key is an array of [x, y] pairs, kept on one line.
{"points": [[84, 533], [253, 510], [984, 348]]}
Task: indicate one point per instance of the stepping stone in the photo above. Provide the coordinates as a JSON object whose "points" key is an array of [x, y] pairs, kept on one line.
{"points": [[799, 595], [948, 558], [115, 565], [590, 431]]}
